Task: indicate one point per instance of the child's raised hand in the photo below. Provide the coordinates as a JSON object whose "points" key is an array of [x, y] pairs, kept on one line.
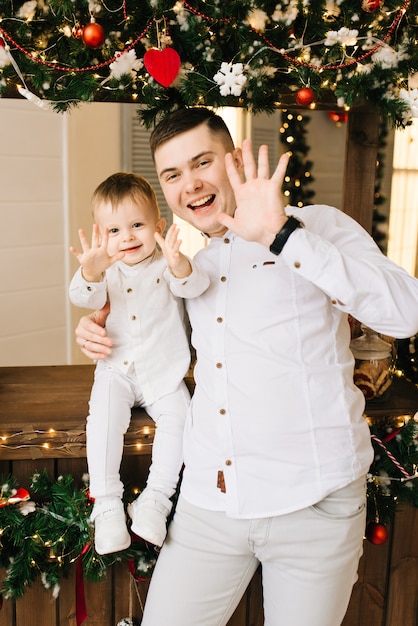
{"points": [[94, 259], [179, 264]]}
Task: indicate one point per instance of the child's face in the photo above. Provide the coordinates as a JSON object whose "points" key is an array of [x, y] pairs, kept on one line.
{"points": [[131, 228]]}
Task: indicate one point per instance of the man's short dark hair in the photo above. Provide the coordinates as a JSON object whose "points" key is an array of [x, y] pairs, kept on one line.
{"points": [[182, 120]]}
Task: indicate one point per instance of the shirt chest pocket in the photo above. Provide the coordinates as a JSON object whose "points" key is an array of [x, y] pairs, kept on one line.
{"points": [[267, 283]]}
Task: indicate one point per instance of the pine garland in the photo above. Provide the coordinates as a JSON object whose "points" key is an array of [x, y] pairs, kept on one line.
{"points": [[46, 530], [42, 537], [254, 54], [393, 475]]}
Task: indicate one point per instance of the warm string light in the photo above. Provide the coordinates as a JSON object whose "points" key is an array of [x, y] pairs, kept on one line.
{"points": [[384, 479], [294, 179], [320, 68], [54, 547], [270, 57], [76, 439], [76, 70], [296, 61], [55, 533]]}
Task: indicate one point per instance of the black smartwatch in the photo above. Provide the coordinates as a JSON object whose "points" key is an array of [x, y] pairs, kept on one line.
{"points": [[283, 235]]}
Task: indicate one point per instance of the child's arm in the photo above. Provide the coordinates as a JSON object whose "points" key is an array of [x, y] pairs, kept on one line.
{"points": [[94, 259], [178, 264]]}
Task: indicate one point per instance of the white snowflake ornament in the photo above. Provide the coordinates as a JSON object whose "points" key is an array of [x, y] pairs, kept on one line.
{"points": [[4, 56], [230, 79], [344, 36], [27, 10], [27, 507], [126, 621], [125, 63], [411, 98], [257, 19]]}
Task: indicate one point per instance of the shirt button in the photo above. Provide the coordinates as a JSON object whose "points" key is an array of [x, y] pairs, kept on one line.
{"points": [[333, 302], [125, 362], [158, 280], [226, 240], [133, 317], [223, 279], [219, 365], [88, 288], [219, 320], [296, 264], [129, 290], [222, 411], [228, 462]]}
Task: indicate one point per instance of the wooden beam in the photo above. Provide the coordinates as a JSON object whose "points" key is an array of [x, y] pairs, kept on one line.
{"points": [[360, 166]]}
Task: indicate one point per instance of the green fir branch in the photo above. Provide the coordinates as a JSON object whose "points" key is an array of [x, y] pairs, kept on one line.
{"points": [[44, 537], [282, 52]]}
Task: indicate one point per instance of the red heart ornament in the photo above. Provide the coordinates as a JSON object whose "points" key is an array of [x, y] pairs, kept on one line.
{"points": [[163, 65]]}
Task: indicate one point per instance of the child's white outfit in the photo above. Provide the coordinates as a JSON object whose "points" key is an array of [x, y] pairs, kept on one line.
{"points": [[149, 360]]}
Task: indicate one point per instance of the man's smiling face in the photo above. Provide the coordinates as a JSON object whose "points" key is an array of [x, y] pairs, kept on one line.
{"points": [[192, 175]]}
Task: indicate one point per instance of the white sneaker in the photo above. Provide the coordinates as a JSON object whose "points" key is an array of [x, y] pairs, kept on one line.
{"points": [[110, 532], [149, 516]]}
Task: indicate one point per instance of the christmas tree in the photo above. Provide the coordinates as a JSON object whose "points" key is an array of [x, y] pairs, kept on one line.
{"points": [[257, 54], [299, 171]]}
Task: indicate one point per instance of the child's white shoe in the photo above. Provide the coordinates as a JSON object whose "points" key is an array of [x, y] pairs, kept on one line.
{"points": [[110, 532], [149, 514]]}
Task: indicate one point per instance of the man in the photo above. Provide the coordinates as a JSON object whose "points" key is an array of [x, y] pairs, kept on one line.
{"points": [[275, 447]]}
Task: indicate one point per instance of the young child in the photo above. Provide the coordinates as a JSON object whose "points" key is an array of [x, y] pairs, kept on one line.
{"points": [[150, 352]]}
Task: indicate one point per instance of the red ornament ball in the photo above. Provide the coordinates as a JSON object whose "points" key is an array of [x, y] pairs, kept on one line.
{"points": [[376, 533], [305, 96], [371, 6], [93, 35], [338, 117]]}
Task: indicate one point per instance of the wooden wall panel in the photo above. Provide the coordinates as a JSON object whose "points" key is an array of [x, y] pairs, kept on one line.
{"points": [[402, 598], [367, 603], [386, 593], [362, 144]]}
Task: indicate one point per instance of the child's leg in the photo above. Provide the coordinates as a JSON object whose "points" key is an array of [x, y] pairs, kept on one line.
{"points": [[149, 512], [110, 412], [169, 415]]}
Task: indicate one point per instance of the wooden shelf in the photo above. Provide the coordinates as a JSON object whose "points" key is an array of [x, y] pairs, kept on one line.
{"points": [[43, 413], [402, 400]]}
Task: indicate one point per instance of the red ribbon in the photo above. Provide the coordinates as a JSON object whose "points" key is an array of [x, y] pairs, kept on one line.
{"points": [[80, 598], [132, 569], [392, 435]]}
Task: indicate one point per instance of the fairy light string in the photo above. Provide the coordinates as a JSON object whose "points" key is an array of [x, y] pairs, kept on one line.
{"points": [[256, 56], [339, 66], [226, 20], [45, 529], [69, 441], [76, 70]]}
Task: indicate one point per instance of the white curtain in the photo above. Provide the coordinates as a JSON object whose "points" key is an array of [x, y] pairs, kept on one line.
{"points": [[403, 221]]}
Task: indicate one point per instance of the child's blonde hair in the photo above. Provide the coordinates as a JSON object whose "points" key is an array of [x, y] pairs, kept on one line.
{"points": [[125, 185]]}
